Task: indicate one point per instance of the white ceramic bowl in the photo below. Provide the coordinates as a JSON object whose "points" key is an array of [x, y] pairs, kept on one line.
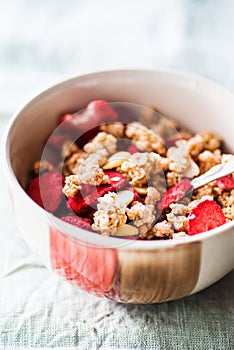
{"points": [[143, 271]]}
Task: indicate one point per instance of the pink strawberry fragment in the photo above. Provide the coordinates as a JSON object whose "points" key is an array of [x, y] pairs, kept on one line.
{"points": [[46, 190], [97, 111], [57, 140], [226, 182], [204, 217], [84, 202], [175, 193], [132, 149]]}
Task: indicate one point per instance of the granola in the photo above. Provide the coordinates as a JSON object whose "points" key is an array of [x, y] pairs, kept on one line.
{"points": [[163, 229], [116, 129], [208, 159], [203, 141], [102, 141], [155, 159], [42, 166], [180, 161], [109, 215], [142, 215], [72, 185], [68, 149], [146, 140], [153, 195], [140, 167]]}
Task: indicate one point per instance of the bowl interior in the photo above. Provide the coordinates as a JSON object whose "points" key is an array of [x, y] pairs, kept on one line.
{"points": [[194, 102]]}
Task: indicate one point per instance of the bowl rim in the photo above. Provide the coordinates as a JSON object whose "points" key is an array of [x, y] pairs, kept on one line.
{"points": [[92, 237]]}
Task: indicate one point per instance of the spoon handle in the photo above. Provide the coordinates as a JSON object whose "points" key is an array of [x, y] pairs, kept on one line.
{"points": [[214, 173]]}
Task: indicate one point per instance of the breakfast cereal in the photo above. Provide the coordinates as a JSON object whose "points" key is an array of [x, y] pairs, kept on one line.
{"points": [[139, 187]]}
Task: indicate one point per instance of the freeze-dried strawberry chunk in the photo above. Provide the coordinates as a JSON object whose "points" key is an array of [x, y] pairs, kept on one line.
{"points": [[226, 182], [57, 140], [101, 110], [84, 202], [83, 223], [117, 182], [175, 193], [117, 179], [171, 140], [65, 117], [78, 205], [46, 190], [204, 217], [97, 111], [132, 149], [90, 214]]}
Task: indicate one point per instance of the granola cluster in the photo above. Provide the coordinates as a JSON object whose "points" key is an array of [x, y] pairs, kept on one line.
{"points": [[146, 139], [87, 168], [120, 192], [142, 215], [110, 214], [140, 167]]}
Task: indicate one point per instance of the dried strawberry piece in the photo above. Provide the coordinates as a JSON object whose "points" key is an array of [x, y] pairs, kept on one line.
{"points": [[57, 140], [226, 182], [171, 140], [84, 202], [46, 190], [101, 110], [114, 186], [117, 180], [132, 149], [65, 117], [78, 205], [175, 193], [204, 217], [80, 222], [90, 214], [97, 111]]}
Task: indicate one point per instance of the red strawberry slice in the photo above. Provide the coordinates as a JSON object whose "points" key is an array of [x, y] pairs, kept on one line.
{"points": [[117, 179], [171, 140], [83, 223], [175, 193], [78, 205], [90, 214], [57, 140], [226, 182], [132, 149], [204, 217], [65, 118], [85, 202], [46, 190], [97, 111]]}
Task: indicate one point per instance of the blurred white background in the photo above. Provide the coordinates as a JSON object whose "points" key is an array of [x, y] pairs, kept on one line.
{"points": [[45, 41]]}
